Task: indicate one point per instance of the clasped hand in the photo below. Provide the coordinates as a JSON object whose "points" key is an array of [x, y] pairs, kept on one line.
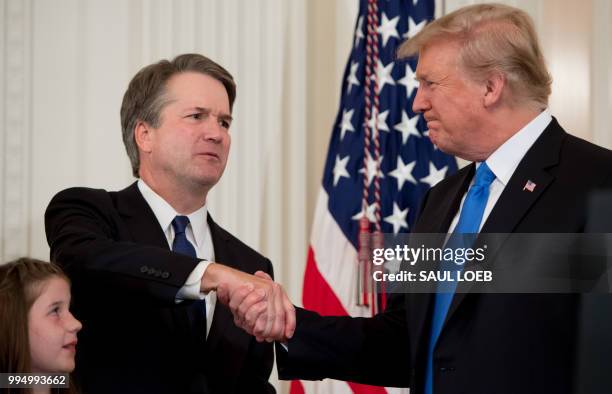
{"points": [[260, 306]]}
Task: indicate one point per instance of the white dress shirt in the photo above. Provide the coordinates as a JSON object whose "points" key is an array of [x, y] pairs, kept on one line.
{"points": [[198, 233], [504, 161]]}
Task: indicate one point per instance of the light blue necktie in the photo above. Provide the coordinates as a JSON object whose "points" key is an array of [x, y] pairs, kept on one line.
{"points": [[197, 310], [469, 223]]}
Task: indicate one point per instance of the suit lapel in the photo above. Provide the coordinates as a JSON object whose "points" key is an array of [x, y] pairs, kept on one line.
{"points": [[223, 328], [436, 217], [515, 201], [222, 316], [139, 218], [438, 212]]}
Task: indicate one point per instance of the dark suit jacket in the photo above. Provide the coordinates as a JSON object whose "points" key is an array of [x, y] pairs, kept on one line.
{"points": [[490, 343], [135, 338]]}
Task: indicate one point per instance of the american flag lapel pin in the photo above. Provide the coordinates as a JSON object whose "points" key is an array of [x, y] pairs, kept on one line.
{"points": [[529, 186]]}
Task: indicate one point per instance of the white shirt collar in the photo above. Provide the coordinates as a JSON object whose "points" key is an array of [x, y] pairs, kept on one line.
{"points": [[506, 158], [165, 214]]}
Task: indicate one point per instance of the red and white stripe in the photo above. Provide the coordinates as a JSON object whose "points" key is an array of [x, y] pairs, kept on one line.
{"points": [[330, 284]]}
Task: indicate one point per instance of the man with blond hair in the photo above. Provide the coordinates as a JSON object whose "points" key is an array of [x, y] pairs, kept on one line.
{"points": [[483, 91]]}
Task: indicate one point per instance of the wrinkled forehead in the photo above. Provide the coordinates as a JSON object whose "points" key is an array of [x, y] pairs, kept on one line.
{"points": [[198, 89], [437, 57]]}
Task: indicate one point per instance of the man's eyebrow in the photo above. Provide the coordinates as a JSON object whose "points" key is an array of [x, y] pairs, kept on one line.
{"points": [[207, 111], [201, 109], [226, 117]]}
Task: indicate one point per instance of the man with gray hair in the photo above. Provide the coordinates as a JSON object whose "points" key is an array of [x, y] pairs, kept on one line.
{"points": [[140, 259], [484, 93]]}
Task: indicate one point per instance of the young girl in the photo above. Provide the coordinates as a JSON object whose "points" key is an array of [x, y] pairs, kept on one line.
{"points": [[38, 334]]}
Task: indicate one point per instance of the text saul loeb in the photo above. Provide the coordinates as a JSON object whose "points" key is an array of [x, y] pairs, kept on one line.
{"points": [[434, 276]]}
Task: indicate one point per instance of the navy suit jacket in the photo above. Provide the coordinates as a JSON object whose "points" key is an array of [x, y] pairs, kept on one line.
{"points": [[490, 343], [135, 338]]}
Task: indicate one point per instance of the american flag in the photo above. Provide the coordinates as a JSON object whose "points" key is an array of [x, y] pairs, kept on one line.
{"points": [[406, 165], [529, 186]]}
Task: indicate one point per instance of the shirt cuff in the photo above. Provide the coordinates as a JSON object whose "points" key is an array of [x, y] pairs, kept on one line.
{"points": [[191, 289]]}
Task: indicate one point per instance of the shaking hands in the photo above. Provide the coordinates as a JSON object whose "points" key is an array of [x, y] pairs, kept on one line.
{"points": [[260, 306]]}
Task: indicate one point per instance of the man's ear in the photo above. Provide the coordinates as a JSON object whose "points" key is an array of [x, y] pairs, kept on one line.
{"points": [[143, 136], [494, 88]]}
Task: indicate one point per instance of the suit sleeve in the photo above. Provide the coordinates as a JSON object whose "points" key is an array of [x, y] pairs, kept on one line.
{"points": [[371, 351], [83, 232]]}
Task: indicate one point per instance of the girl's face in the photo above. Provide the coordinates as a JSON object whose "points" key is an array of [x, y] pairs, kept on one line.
{"points": [[53, 329]]}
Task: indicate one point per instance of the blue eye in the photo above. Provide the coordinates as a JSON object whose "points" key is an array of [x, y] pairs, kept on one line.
{"points": [[196, 116]]}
